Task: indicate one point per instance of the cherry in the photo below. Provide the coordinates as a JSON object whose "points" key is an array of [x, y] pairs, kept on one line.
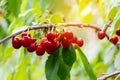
{"points": [[118, 31], [1, 11], [66, 42], [16, 42], [48, 45], [74, 39], [25, 34], [68, 34], [32, 40], [80, 42], [40, 50], [114, 39], [32, 47], [101, 34], [55, 43], [51, 36], [26, 41]]}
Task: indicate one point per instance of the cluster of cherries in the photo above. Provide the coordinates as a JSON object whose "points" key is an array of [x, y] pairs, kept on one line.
{"points": [[113, 39], [48, 44]]}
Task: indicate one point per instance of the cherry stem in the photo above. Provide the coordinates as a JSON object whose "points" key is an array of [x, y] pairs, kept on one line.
{"points": [[79, 25], [108, 75]]}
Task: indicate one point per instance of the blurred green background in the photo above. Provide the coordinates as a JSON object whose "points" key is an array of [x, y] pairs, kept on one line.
{"points": [[18, 14]]}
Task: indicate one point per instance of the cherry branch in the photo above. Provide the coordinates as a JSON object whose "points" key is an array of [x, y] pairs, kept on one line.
{"points": [[80, 25], [109, 75]]}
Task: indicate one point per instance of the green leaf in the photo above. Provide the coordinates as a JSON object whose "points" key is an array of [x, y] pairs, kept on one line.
{"points": [[117, 61], [112, 13], [9, 51], [56, 18], [52, 65], [69, 55], [109, 53], [14, 6], [87, 65]]}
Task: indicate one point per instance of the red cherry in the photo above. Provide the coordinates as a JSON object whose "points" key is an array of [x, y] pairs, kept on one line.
{"points": [[32, 47], [74, 39], [16, 42], [68, 34], [51, 36], [43, 40], [118, 31], [65, 42], [80, 42], [48, 45], [55, 43], [33, 40], [40, 50], [25, 34], [114, 39], [1, 11], [101, 34], [26, 41]]}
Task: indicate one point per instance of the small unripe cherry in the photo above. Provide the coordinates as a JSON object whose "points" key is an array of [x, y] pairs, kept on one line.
{"points": [[101, 34], [40, 50], [26, 41], [1, 11], [16, 42], [32, 47], [25, 34], [80, 42], [114, 39], [51, 36], [118, 31]]}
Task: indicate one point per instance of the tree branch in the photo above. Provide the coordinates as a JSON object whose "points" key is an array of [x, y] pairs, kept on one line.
{"points": [[51, 25], [109, 75]]}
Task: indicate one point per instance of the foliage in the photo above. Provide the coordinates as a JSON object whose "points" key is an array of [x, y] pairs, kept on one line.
{"points": [[66, 63]]}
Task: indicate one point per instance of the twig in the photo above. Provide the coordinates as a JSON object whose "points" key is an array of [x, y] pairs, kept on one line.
{"points": [[109, 75], [107, 25], [51, 25]]}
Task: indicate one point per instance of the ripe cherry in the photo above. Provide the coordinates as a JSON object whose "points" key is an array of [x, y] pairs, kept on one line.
{"points": [[118, 31], [74, 39], [51, 36], [68, 34], [101, 34], [114, 39], [66, 42], [26, 41], [25, 34], [48, 45], [80, 42], [32, 47], [1, 11], [55, 43], [32, 40], [16, 42], [40, 50]]}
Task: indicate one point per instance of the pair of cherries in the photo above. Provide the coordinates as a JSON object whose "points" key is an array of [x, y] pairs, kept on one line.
{"points": [[113, 39], [49, 43]]}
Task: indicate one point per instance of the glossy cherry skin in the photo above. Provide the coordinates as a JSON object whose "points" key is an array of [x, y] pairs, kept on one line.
{"points": [[118, 31], [65, 42], [26, 41], [51, 36], [40, 50], [25, 34], [16, 42], [32, 47], [80, 42], [101, 34], [114, 39]]}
